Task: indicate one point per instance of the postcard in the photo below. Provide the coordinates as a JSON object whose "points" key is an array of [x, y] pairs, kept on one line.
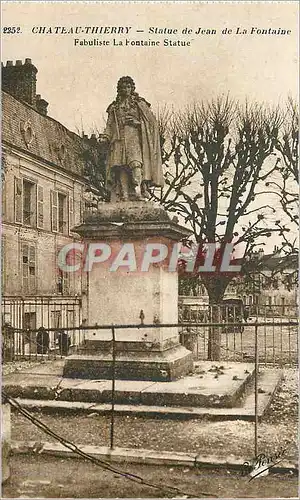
{"points": [[149, 249]]}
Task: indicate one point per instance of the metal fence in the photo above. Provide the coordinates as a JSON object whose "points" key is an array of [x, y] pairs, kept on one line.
{"points": [[190, 329], [277, 340], [277, 333], [22, 317]]}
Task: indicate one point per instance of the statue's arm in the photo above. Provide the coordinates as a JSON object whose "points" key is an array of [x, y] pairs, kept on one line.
{"points": [[108, 132]]}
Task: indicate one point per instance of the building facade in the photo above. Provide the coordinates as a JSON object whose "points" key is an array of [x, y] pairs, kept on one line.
{"points": [[43, 198]]}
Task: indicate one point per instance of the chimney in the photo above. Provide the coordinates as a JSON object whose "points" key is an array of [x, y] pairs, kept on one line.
{"points": [[41, 105], [20, 80]]}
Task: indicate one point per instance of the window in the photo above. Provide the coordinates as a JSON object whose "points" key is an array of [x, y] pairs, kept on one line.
{"points": [[59, 215], [40, 207], [71, 318], [28, 268], [3, 199], [71, 213], [63, 282], [29, 323], [29, 203], [62, 213], [18, 200], [56, 319]]}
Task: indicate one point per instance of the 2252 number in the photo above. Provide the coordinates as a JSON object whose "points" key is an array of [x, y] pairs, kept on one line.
{"points": [[11, 30]]}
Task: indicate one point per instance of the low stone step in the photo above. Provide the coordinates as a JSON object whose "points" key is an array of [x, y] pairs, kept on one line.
{"points": [[268, 384], [212, 385], [144, 456]]}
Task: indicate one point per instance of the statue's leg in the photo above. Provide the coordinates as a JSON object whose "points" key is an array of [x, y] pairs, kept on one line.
{"points": [[145, 190], [136, 169], [115, 187], [124, 183]]}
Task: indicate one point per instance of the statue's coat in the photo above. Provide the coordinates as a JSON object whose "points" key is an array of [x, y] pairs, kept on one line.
{"points": [[149, 143]]}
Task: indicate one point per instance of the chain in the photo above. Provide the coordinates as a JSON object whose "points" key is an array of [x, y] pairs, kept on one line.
{"points": [[171, 490]]}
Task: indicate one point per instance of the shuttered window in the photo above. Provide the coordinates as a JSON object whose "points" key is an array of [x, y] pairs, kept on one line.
{"points": [[18, 200], [40, 207], [28, 268], [29, 203], [71, 213], [54, 211], [59, 212], [62, 214], [25, 202], [63, 283]]}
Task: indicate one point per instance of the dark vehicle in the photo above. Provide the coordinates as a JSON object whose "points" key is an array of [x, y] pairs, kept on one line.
{"points": [[234, 311]]}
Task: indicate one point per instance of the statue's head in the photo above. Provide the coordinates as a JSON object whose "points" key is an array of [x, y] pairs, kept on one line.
{"points": [[126, 86]]}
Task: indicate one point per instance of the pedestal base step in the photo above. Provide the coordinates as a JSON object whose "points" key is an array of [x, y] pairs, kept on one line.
{"points": [[155, 366], [210, 386], [268, 384]]}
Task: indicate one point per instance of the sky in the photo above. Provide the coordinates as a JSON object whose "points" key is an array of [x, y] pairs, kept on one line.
{"points": [[79, 82]]}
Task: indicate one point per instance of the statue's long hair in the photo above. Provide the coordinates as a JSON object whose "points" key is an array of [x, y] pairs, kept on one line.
{"points": [[134, 95], [125, 79]]}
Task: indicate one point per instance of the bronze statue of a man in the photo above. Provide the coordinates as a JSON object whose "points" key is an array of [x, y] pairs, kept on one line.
{"points": [[134, 158]]}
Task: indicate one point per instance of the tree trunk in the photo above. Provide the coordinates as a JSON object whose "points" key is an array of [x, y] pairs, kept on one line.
{"points": [[214, 334], [216, 288]]}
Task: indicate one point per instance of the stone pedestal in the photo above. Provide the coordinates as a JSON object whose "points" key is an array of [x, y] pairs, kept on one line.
{"points": [[132, 294]]}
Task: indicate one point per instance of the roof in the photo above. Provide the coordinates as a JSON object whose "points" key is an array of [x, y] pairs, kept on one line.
{"points": [[280, 262], [50, 141]]}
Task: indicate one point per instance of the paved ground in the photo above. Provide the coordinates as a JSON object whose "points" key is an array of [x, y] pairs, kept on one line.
{"points": [[224, 438], [49, 477], [42, 476]]}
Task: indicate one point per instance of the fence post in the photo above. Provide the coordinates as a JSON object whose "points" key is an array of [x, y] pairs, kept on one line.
{"points": [[113, 385], [256, 393]]}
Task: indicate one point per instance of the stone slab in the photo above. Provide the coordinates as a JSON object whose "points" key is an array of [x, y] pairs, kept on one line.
{"points": [[268, 382], [200, 390], [246, 412], [101, 344], [82, 391], [157, 366], [55, 406], [144, 456], [31, 385], [212, 387], [130, 393]]}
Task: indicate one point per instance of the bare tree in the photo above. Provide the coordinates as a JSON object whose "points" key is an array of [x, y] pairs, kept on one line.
{"points": [[288, 146], [93, 153], [218, 156], [286, 187]]}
